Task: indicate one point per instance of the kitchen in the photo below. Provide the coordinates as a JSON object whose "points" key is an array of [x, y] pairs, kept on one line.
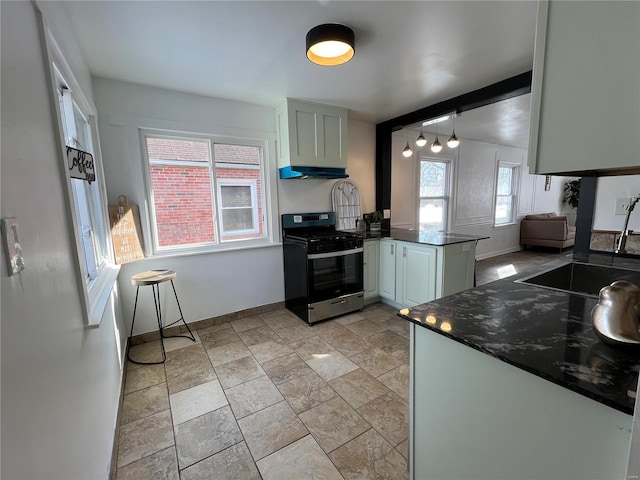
{"points": [[121, 105]]}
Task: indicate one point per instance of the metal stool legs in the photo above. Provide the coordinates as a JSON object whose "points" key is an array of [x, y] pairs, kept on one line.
{"points": [[156, 300]]}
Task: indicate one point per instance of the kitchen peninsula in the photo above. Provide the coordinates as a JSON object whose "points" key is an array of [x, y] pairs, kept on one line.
{"points": [[509, 381]]}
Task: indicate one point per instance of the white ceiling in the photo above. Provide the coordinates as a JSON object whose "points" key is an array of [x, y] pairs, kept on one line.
{"points": [[409, 55]]}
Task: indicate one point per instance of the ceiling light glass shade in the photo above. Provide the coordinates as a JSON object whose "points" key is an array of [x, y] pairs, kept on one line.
{"points": [[407, 152], [453, 141], [330, 44], [436, 146], [421, 141]]}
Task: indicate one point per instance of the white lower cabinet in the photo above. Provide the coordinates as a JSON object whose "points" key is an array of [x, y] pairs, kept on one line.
{"points": [[370, 269], [414, 273]]}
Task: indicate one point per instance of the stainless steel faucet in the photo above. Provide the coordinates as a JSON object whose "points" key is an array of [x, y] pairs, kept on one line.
{"points": [[622, 241]]}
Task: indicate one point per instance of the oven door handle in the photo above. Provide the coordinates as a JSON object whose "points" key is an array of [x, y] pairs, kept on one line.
{"points": [[341, 253]]}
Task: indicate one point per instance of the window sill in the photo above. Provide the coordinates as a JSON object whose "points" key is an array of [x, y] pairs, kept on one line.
{"points": [[504, 225], [99, 294], [207, 251]]}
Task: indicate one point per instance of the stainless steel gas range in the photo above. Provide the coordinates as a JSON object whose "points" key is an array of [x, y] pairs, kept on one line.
{"points": [[322, 267]]}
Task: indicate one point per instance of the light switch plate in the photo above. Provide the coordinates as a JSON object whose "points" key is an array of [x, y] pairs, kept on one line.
{"points": [[386, 213], [621, 206]]}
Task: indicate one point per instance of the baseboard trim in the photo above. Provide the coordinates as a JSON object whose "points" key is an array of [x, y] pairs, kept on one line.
{"points": [[116, 437], [484, 256]]}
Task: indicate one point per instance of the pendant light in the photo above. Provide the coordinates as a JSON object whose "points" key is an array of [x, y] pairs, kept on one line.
{"points": [[330, 44], [407, 152], [453, 141], [421, 141], [436, 146]]}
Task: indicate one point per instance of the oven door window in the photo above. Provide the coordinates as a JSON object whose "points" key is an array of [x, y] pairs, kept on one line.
{"points": [[334, 276]]}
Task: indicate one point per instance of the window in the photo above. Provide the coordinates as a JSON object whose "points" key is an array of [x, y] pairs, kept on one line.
{"points": [[205, 191], [434, 194], [506, 193]]}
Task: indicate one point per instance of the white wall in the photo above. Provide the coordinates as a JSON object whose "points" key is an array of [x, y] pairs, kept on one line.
{"points": [[608, 190], [471, 207], [210, 284], [60, 380]]}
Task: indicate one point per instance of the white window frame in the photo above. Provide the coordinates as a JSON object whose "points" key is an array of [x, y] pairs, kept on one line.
{"points": [[96, 275], [447, 192], [219, 244], [239, 182], [513, 195]]}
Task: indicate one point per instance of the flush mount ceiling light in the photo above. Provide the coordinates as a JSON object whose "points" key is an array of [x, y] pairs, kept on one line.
{"points": [[330, 44]]}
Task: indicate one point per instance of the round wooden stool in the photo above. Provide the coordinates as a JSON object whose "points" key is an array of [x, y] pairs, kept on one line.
{"points": [[154, 278]]}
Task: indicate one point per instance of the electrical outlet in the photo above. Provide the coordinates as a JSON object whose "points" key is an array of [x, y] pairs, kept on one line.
{"points": [[386, 213], [621, 206]]}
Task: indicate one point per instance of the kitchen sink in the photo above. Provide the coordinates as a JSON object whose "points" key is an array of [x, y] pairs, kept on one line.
{"points": [[581, 278]]}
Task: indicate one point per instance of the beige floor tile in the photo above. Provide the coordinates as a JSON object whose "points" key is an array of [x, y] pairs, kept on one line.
{"points": [[145, 352], [331, 365], [403, 449], [271, 429], [351, 318], [375, 361], [369, 457], [196, 401], [233, 463], [258, 335], [306, 391], [163, 464], [329, 329], [293, 334], [390, 342], [349, 344], [228, 353], [399, 326], [239, 371], [206, 435], [365, 328], [333, 423], [143, 437], [398, 381], [389, 415], [190, 375], [252, 396], [219, 337], [286, 368], [176, 343], [144, 403], [281, 320], [270, 349], [301, 460], [247, 323], [215, 328], [358, 387], [310, 347], [146, 376], [185, 356]]}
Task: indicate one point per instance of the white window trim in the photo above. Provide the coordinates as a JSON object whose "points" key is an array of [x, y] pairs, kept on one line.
{"points": [[233, 182], [446, 197], [95, 295], [270, 236], [515, 167]]}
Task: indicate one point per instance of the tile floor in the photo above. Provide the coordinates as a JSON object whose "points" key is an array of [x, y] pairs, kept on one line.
{"points": [[268, 397]]}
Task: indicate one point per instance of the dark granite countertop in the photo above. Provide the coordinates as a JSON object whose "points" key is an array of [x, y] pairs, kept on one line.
{"points": [[544, 332], [425, 237]]}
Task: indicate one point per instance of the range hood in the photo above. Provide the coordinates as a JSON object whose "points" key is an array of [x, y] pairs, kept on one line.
{"points": [[312, 172]]}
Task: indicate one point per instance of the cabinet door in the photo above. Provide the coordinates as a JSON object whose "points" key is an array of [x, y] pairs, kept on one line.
{"points": [[387, 286], [417, 275], [371, 261], [317, 135], [585, 97]]}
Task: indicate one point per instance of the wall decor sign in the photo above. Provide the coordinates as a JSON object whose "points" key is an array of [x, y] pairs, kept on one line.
{"points": [[12, 248], [126, 231], [80, 164]]}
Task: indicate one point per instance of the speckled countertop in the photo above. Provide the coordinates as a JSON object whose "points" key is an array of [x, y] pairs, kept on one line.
{"points": [[544, 332], [425, 237]]}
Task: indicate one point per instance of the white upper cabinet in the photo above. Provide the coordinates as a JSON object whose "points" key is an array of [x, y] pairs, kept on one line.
{"points": [[585, 109], [311, 135]]}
